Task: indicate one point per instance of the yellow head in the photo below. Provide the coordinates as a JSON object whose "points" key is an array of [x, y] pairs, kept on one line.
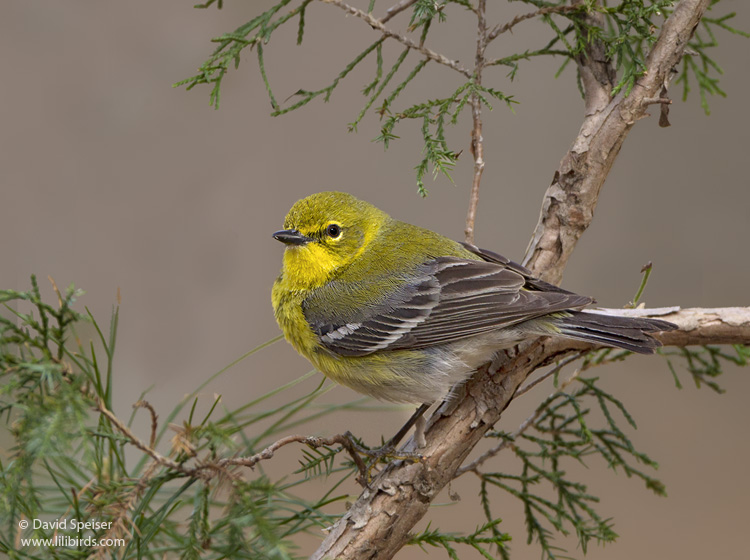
{"points": [[324, 233]]}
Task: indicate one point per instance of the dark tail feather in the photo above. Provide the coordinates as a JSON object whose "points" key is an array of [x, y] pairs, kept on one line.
{"points": [[628, 333]]}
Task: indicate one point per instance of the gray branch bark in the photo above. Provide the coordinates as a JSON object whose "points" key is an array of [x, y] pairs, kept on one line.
{"points": [[570, 201], [379, 523]]}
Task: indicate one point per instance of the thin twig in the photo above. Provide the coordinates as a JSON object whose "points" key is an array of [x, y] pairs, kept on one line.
{"points": [[477, 141], [57, 290], [397, 9], [509, 60], [148, 450], [498, 29], [656, 100], [345, 440], [560, 365], [376, 24], [154, 419]]}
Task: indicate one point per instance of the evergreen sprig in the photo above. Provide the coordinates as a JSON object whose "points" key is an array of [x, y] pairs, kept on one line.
{"points": [[482, 540], [704, 363], [434, 114], [563, 431], [44, 404], [698, 63]]}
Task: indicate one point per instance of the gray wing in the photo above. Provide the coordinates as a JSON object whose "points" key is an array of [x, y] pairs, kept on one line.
{"points": [[532, 282], [448, 300]]}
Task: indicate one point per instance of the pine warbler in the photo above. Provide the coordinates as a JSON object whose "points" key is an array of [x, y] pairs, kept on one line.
{"points": [[402, 313]]}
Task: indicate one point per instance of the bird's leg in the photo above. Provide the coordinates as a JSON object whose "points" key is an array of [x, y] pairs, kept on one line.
{"points": [[388, 449], [416, 420]]}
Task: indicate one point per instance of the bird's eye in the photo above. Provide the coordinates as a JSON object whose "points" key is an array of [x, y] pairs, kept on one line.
{"points": [[333, 231]]}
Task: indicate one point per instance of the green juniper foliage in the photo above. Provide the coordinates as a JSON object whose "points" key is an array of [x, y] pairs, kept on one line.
{"points": [[704, 363], [626, 28], [563, 432], [704, 71], [69, 459], [481, 540]]}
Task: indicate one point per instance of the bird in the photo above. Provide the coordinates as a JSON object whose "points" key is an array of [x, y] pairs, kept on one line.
{"points": [[404, 314]]}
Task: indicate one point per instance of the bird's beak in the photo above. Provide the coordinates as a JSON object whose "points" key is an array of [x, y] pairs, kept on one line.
{"points": [[291, 237]]}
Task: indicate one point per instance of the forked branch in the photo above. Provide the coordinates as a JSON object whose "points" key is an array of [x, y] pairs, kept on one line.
{"points": [[569, 203]]}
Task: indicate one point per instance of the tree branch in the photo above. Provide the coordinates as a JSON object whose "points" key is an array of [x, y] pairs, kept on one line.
{"points": [[377, 24], [698, 326], [379, 523], [344, 440], [397, 9], [477, 140], [526, 424], [569, 203], [207, 469], [498, 29], [728, 325]]}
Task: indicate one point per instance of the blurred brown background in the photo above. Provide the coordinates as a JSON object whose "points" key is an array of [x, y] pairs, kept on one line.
{"points": [[112, 179]]}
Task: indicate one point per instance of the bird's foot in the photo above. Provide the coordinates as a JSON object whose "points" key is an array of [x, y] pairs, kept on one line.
{"points": [[377, 455]]}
